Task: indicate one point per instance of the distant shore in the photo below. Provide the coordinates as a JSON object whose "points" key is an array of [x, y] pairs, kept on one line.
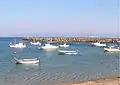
{"points": [[104, 81], [72, 39]]}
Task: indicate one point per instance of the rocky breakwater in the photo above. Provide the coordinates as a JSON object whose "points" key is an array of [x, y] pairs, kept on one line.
{"points": [[72, 39]]}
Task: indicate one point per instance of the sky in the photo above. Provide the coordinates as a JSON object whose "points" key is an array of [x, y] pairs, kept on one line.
{"points": [[59, 18]]}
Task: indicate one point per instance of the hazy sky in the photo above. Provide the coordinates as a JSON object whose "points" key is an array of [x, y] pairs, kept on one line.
{"points": [[58, 17]]}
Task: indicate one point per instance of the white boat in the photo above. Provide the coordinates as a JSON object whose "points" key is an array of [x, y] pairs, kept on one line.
{"points": [[49, 47], [35, 43], [64, 45], [67, 52], [19, 45], [27, 61], [112, 49], [99, 44]]}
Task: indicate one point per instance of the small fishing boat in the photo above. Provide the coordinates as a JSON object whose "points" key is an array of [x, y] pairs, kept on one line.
{"points": [[99, 44], [35, 43], [19, 45], [64, 45], [112, 49], [49, 47], [27, 60], [68, 52]]}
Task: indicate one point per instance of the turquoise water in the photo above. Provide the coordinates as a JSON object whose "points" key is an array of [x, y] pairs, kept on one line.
{"points": [[91, 64]]}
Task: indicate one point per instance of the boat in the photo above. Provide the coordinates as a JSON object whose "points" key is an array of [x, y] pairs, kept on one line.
{"points": [[112, 49], [35, 43], [49, 47], [99, 44], [27, 60], [68, 52], [19, 45], [64, 45]]}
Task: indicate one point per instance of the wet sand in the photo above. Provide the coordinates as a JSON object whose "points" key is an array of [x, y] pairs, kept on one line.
{"points": [[108, 81]]}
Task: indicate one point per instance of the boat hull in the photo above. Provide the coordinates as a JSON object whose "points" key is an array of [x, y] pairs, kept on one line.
{"points": [[68, 52], [49, 47], [111, 50], [27, 61], [99, 44], [37, 43], [20, 45], [63, 46], [12, 46]]}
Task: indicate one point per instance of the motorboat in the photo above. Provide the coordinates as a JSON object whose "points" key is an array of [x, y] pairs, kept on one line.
{"points": [[68, 52], [27, 61], [49, 46], [112, 49], [19, 45], [64, 45], [35, 43], [99, 44]]}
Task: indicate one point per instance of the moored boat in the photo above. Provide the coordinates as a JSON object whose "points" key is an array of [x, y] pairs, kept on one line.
{"points": [[99, 44], [19, 45], [27, 60], [35, 43], [68, 52], [49, 47], [64, 45], [112, 49]]}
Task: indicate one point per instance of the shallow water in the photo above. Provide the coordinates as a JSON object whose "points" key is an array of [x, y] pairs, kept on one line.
{"points": [[92, 63]]}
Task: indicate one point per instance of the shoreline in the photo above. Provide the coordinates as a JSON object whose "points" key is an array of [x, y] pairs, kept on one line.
{"points": [[102, 81], [73, 39]]}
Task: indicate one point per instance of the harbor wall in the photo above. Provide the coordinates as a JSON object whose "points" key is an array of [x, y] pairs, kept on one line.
{"points": [[72, 39]]}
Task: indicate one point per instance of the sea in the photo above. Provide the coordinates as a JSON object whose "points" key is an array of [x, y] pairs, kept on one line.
{"points": [[92, 63]]}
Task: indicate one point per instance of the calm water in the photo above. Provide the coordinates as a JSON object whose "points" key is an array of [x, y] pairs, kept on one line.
{"points": [[92, 63]]}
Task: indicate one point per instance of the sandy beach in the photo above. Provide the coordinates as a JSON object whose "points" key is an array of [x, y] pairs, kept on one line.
{"points": [[109, 81]]}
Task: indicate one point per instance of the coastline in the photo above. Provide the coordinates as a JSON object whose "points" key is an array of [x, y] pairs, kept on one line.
{"points": [[103, 81], [73, 39]]}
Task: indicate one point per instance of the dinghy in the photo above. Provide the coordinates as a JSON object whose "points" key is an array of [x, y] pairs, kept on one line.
{"points": [[68, 52], [27, 60], [112, 49]]}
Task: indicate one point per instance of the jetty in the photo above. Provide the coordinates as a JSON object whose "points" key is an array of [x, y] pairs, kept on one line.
{"points": [[73, 39]]}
